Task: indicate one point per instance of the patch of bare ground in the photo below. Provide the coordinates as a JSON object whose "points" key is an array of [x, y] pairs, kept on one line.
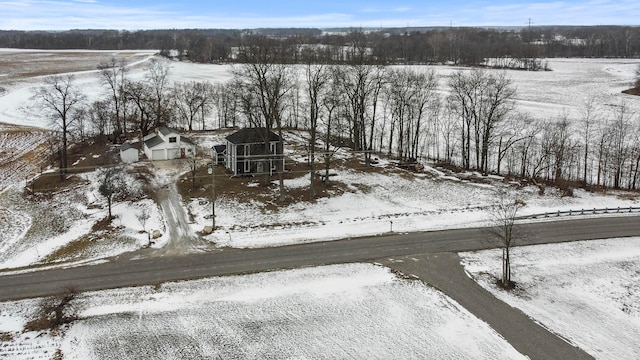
{"points": [[253, 189], [103, 234], [82, 158], [633, 91], [22, 153]]}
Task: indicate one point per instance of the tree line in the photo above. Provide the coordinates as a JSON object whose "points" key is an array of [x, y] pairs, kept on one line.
{"points": [[400, 111], [499, 47], [370, 108]]}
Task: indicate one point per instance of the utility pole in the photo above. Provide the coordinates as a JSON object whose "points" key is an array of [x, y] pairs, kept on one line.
{"points": [[212, 172]]}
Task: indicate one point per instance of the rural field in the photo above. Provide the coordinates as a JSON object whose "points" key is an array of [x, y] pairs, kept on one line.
{"points": [[274, 315]]}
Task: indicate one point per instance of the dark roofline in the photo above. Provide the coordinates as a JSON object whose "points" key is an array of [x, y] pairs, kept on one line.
{"points": [[167, 130], [127, 146], [251, 136], [153, 141]]}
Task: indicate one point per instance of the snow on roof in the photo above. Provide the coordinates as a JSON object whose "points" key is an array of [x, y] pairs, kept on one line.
{"points": [[250, 136]]}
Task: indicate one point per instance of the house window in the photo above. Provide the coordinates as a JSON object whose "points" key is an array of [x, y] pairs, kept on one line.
{"points": [[173, 139], [273, 148]]}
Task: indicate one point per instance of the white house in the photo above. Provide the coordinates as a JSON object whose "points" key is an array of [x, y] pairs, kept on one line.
{"points": [[129, 153], [166, 144]]}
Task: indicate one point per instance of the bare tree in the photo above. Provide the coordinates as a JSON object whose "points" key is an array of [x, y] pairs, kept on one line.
{"points": [[589, 114], [139, 93], [142, 216], [61, 99], [113, 74], [266, 83], [561, 146], [361, 84], [503, 216], [620, 134], [110, 184], [227, 103], [330, 103], [193, 99], [193, 162], [158, 83], [317, 79], [482, 100], [100, 118], [510, 134], [409, 94]]}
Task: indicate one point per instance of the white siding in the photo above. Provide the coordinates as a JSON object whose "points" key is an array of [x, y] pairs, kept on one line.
{"points": [[173, 154], [129, 156]]}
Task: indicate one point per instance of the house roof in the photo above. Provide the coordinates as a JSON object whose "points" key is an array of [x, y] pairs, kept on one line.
{"points": [[219, 149], [251, 136], [154, 141], [167, 130], [127, 146]]}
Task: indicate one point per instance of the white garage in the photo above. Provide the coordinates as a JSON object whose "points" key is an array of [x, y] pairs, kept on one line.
{"points": [[167, 144]]}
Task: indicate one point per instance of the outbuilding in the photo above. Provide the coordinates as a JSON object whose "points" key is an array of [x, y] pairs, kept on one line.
{"points": [[129, 153]]}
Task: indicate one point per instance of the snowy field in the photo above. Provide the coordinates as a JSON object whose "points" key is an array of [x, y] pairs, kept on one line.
{"points": [[588, 292], [332, 312], [542, 94]]}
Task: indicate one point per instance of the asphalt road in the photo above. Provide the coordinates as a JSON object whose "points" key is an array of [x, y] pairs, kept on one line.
{"points": [[122, 273], [444, 272]]}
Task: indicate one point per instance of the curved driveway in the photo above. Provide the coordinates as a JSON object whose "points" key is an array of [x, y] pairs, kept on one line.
{"points": [[119, 273]]}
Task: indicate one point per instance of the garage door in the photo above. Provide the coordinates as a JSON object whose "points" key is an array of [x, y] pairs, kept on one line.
{"points": [[157, 154], [173, 153]]}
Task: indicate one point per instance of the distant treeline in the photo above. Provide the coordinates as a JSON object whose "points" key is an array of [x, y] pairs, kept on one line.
{"points": [[469, 46]]}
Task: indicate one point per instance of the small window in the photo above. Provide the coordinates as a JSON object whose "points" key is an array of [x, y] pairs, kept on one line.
{"points": [[173, 139]]}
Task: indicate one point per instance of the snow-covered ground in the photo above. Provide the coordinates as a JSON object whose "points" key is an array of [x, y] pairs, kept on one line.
{"points": [[587, 292], [299, 312], [377, 204], [331, 312]]}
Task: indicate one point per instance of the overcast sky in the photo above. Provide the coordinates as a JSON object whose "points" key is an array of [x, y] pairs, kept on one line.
{"points": [[241, 14]]}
